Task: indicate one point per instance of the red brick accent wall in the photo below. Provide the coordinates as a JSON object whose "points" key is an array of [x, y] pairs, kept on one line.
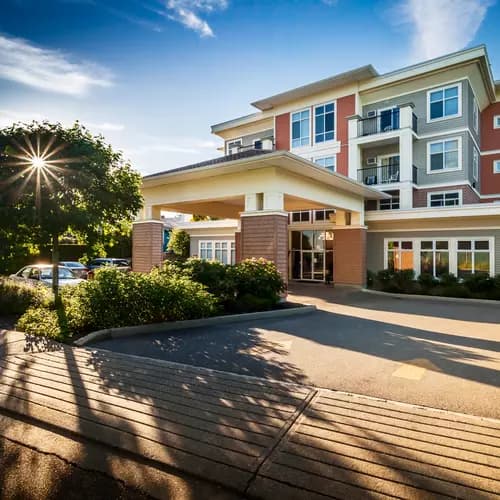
{"points": [[490, 182], [349, 257], [468, 195], [266, 236], [490, 137], [237, 246], [346, 106], [282, 132], [147, 242]]}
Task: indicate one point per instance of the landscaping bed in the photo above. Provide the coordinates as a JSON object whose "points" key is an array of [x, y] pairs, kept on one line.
{"points": [[475, 286], [180, 291]]}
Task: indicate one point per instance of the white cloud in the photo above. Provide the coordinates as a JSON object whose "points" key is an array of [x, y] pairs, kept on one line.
{"points": [[442, 26], [48, 70], [189, 12], [105, 126], [10, 116]]}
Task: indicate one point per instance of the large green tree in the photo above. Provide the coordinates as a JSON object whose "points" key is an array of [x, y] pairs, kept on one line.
{"points": [[55, 180]]}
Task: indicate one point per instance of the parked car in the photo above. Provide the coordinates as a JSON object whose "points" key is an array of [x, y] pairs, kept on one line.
{"points": [[120, 264], [78, 268], [42, 273]]}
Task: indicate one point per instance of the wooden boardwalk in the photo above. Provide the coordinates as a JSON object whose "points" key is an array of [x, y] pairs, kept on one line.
{"points": [[258, 437]]}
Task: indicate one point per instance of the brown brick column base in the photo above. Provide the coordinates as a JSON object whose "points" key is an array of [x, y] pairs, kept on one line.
{"points": [[266, 236], [349, 261], [147, 243]]}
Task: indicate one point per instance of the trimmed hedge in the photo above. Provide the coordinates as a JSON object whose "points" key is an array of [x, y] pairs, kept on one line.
{"points": [[478, 286]]}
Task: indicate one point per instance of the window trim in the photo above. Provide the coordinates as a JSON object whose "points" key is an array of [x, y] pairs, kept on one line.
{"points": [[324, 157], [452, 248], [475, 116], [449, 117], [475, 163], [460, 196], [496, 121], [229, 250], [307, 108], [460, 153], [313, 135], [496, 166], [238, 139]]}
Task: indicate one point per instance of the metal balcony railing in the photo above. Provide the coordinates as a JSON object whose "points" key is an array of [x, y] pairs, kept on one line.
{"points": [[380, 174], [385, 121]]}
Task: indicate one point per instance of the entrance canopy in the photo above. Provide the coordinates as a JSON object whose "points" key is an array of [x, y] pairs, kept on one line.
{"points": [[254, 181]]}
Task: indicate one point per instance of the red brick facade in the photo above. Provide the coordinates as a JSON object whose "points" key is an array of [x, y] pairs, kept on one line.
{"points": [[266, 236], [349, 257], [490, 182], [282, 132], [147, 243], [490, 136], [346, 106], [468, 194]]}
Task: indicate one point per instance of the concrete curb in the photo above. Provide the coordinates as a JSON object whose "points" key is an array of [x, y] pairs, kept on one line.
{"points": [[170, 326], [495, 303]]}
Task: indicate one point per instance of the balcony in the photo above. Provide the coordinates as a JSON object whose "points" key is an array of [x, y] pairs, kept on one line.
{"points": [[382, 122], [383, 174]]}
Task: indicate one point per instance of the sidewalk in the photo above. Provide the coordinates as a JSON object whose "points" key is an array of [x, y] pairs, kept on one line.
{"points": [[252, 436]]}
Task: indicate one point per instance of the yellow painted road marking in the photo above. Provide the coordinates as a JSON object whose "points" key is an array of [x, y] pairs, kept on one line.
{"points": [[415, 369]]}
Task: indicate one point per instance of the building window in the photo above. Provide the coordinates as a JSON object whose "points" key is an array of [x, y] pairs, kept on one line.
{"points": [[232, 147], [206, 250], [434, 257], [475, 164], [327, 162], [300, 128], [257, 144], [391, 203], [444, 103], [444, 155], [496, 167], [496, 121], [444, 199], [399, 255], [219, 250], [475, 116], [302, 216], [473, 257], [324, 122], [326, 215]]}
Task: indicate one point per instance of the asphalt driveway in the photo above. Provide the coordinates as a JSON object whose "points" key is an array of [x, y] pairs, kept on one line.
{"points": [[439, 354]]}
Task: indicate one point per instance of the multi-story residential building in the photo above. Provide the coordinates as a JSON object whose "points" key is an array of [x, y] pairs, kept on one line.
{"points": [[360, 170]]}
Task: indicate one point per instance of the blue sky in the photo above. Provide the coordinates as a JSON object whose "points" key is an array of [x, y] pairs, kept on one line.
{"points": [[153, 75]]}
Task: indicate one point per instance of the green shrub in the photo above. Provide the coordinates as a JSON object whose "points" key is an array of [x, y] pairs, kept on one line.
{"points": [[179, 243], [115, 299], [257, 278], [41, 321], [370, 278], [448, 279], [17, 297], [427, 281], [213, 274], [480, 284], [396, 281], [458, 291]]}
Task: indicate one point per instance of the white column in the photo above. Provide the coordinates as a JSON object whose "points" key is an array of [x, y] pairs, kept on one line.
{"points": [[354, 158], [405, 155], [274, 201]]}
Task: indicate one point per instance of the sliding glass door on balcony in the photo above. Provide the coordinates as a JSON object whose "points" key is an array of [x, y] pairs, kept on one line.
{"points": [[386, 172], [312, 255]]}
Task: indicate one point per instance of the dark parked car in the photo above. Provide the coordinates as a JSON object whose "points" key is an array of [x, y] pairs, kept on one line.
{"points": [[42, 274], [121, 264], [78, 268]]}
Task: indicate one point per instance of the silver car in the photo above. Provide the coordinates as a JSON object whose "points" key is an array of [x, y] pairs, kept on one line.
{"points": [[42, 273]]}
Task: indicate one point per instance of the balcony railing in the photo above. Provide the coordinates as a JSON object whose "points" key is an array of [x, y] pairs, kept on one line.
{"points": [[380, 174], [414, 176], [385, 121]]}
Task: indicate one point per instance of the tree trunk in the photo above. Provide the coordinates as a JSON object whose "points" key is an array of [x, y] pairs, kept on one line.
{"points": [[55, 266]]}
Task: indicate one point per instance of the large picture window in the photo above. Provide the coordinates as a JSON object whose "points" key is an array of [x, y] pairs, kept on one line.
{"points": [[473, 257], [434, 257], [327, 162], [445, 199], [444, 103], [324, 122], [444, 155], [300, 129], [220, 250], [400, 255]]}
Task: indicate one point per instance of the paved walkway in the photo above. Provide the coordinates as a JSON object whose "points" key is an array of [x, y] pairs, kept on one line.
{"points": [[254, 436]]}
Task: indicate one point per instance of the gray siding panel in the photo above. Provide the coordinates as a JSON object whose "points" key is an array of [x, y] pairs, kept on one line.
{"points": [[375, 243]]}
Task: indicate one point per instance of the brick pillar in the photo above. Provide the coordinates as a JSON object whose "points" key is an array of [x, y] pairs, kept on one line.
{"points": [[349, 261], [237, 247], [147, 243], [266, 236]]}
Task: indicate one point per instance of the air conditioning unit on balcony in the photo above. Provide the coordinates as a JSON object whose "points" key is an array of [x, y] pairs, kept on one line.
{"points": [[371, 161], [371, 114]]}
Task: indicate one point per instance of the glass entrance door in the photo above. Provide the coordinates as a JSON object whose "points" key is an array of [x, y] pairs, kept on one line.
{"points": [[312, 255]]}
